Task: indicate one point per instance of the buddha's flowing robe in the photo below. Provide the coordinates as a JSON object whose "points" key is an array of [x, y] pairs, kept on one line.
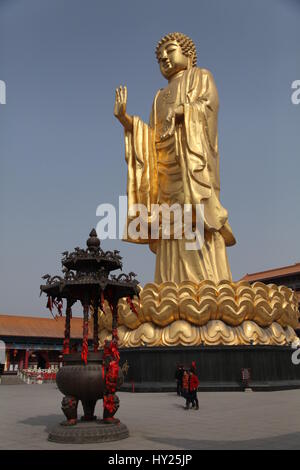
{"points": [[181, 168]]}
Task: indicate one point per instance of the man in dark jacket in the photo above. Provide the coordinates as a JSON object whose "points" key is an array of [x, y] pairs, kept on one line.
{"points": [[178, 377]]}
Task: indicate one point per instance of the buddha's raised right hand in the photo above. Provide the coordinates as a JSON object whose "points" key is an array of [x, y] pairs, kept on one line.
{"points": [[120, 108]]}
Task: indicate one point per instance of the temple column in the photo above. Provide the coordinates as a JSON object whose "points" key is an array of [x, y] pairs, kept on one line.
{"points": [[47, 365], [26, 359], [7, 359], [21, 360]]}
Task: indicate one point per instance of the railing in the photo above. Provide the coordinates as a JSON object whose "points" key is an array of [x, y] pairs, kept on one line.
{"points": [[38, 376]]}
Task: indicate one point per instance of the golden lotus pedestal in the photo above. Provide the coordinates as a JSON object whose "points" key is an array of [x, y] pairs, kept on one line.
{"points": [[224, 327]]}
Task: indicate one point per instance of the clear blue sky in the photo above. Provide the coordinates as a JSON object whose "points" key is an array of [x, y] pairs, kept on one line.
{"points": [[62, 151]]}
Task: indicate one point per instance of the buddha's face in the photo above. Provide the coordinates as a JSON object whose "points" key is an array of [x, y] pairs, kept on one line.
{"points": [[171, 59]]}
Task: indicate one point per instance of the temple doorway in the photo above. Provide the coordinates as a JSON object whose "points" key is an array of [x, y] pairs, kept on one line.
{"points": [[41, 361]]}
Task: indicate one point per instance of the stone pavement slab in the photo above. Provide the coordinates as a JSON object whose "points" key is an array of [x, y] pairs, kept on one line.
{"points": [[225, 420]]}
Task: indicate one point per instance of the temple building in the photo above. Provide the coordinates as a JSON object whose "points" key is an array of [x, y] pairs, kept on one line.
{"points": [[36, 341], [287, 276]]}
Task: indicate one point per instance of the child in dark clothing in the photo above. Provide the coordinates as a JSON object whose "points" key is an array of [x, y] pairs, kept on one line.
{"points": [[178, 377]]}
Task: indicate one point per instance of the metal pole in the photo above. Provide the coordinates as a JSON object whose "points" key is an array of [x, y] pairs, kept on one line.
{"points": [[114, 305], [96, 325], [66, 348], [84, 350]]}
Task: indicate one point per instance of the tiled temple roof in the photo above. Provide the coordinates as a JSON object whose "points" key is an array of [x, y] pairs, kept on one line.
{"points": [[273, 273], [39, 327]]}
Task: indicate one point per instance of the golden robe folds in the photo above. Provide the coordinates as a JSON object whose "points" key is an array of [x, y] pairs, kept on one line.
{"points": [[182, 168]]}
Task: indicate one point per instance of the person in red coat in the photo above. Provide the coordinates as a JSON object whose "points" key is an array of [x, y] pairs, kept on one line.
{"points": [[185, 388], [193, 387]]}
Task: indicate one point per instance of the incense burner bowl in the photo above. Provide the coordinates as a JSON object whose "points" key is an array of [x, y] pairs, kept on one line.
{"points": [[85, 383]]}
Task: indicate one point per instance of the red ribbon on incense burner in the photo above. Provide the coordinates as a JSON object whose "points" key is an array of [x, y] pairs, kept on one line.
{"points": [[111, 375], [131, 305], [66, 346], [84, 350], [85, 347], [58, 304], [111, 358]]}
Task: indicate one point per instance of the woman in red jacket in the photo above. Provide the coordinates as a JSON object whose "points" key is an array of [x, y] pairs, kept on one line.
{"points": [[193, 387], [185, 388]]}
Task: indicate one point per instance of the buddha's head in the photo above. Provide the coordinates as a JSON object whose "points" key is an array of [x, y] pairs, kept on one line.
{"points": [[175, 52]]}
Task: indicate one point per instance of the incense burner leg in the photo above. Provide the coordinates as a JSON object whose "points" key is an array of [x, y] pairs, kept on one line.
{"points": [[88, 408], [109, 412], [69, 407]]}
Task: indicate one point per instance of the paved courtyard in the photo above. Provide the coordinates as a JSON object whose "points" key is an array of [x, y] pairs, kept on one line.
{"points": [[229, 420]]}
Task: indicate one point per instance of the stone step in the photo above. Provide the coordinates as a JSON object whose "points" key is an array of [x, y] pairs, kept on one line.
{"points": [[11, 380]]}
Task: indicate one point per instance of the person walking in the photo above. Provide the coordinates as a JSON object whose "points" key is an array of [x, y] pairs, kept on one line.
{"points": [[193, 387], [185, 389], [178, 376]]}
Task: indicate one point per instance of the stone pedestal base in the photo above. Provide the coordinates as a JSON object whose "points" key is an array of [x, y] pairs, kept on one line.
{"points": [[88, 432]]}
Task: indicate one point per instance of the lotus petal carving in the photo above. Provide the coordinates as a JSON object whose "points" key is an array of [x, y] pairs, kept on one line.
{"points": [[187, 313]]}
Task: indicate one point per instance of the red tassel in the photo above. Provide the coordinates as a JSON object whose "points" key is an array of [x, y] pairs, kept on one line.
{"points": [[49, 303], [66, 346], [109, 403], [85, 347], [131, 305], [59, 308], [84, 352]]}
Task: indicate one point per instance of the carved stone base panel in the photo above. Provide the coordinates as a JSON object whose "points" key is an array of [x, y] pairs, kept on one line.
{"points": [[87, 432]]}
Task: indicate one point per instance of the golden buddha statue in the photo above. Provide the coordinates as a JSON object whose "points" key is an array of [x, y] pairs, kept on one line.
{"points": [[175, 160]]}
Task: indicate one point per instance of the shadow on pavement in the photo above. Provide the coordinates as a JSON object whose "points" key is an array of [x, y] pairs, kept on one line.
{"points": [[285, 441], [49, 421]]}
